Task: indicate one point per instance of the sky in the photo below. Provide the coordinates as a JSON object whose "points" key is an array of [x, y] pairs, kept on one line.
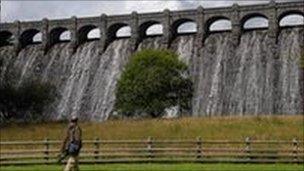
{"points": [[26, 10]]}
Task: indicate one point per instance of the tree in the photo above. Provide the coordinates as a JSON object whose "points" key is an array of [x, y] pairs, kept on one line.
{"points": [[26, 101], [152, 81]]}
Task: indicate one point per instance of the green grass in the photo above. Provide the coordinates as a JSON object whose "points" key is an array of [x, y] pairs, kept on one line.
{"points": [[232, 128], [220, 128], [165, 167]]}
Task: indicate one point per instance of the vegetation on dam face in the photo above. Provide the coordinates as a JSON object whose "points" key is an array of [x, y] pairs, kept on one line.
{"points": [[232, 128], [152, 81], [26, 101]]}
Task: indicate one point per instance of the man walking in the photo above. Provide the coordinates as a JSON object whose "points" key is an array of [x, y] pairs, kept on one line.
{"points": [[72, 144]]}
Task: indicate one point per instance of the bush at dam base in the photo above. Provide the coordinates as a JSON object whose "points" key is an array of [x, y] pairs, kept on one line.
{"points": [[23, 101], [152, 81], [26, 102]]}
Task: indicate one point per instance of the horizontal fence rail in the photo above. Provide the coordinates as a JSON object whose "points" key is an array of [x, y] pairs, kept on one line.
{"points": [[152, 150]]}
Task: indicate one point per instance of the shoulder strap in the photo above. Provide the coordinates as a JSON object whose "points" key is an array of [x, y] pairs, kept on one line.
{"points": [[73, 134]]}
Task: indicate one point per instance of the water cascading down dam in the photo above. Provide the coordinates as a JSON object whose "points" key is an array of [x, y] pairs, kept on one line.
{"points": [[235, 72]]}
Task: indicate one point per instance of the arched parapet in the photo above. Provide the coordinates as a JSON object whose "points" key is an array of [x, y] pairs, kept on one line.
{"points": [[284, 9], [7, 26], [119, 19], [143, 27], [178, 15], [182, 18], [65, 23], [149, 28], [209, 20], [83, 33], [112, 31], [212, 19], [57, 28], [260, 10], [37, 25], [146, 21], [179, 22], [15, 29], [6, 38], [82, 22], [55, 35], [245, 17], [85, 26], [286, 13], [27, 37], [27, 32], [12, 28], [148, 18]]}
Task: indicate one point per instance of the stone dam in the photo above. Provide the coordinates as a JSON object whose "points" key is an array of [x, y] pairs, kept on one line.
{"points": [[235, 72]]}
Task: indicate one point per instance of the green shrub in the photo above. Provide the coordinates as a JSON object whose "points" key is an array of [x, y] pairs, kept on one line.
{"points": [[152, 81], [26, 101]]}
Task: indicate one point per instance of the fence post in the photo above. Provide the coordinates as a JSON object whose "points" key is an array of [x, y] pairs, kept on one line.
{"points": [[295, 149], [96, 149], [46, 150], [198, 147], [149, 147], [248, 147]]}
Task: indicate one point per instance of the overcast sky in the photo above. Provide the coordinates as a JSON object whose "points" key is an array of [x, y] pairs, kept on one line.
{"points": [[36, 10]]}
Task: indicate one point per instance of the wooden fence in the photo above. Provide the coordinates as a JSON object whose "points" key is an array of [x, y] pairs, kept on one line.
{"points": [[152, 150]]}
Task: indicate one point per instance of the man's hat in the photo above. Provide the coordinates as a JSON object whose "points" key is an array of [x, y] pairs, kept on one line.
{"points": [[74, 118]]}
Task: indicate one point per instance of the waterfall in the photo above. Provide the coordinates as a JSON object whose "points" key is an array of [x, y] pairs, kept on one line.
{"points": [[291, 84], [243, 80]]}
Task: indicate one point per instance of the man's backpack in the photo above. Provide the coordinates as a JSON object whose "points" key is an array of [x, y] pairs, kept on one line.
{"points": [[74, 148]]}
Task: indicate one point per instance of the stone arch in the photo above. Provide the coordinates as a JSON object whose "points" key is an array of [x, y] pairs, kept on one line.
{"points": [[179, 23], [124, 31], [94, 34], [55, 35], [264, 23], [291, 12], [83, 33], [113, 29], [6, 38], [37, 38], [27, 37], [144, 28], [285, 14], [65, 36], [213, 20]]}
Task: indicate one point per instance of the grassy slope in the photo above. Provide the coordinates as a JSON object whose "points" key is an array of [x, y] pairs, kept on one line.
{"points": [[279, 127], [166, 167]]}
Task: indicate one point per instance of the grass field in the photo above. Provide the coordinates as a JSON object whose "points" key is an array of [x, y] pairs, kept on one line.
{"points": [[263, 128], [218, 128], [166, 167]]}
